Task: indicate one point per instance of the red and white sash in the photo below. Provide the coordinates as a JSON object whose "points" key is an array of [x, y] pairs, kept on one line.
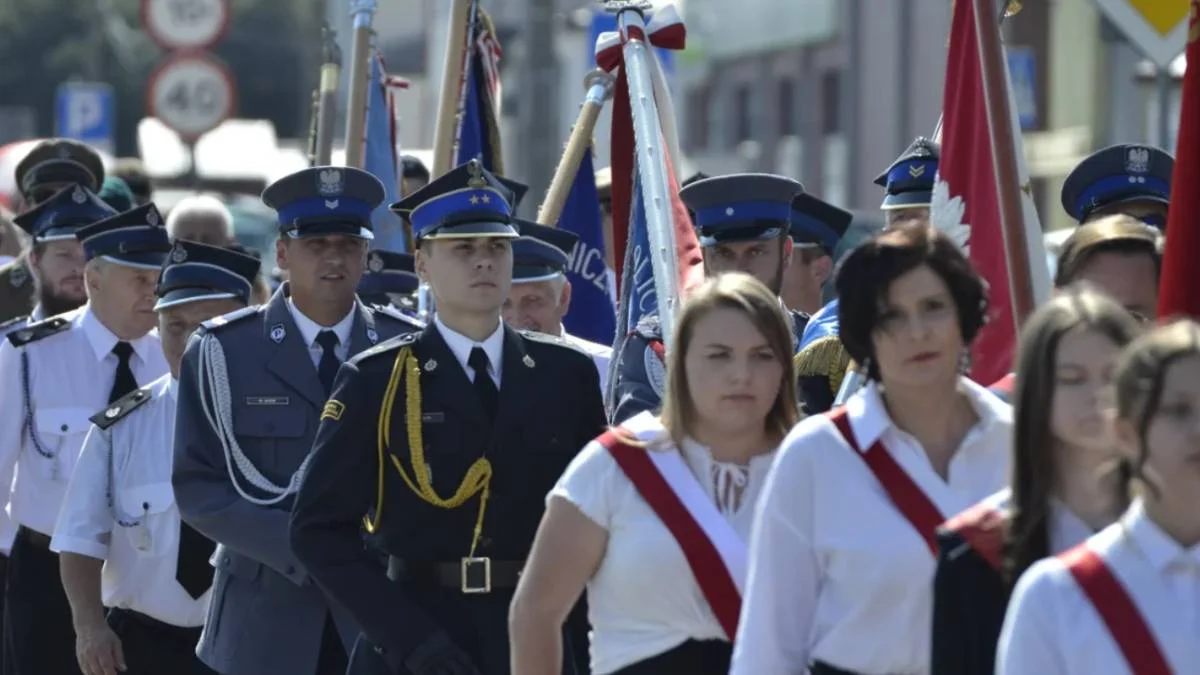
{"points": [[1120, 615], [715, 552]]}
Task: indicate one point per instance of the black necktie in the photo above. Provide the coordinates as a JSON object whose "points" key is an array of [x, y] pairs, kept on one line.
{"points": [[485, 388], [192, 570], [328, 366], [124, 381]]}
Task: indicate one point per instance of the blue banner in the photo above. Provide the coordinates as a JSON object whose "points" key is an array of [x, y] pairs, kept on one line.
{"points": [[379, 157], [592, 315]]}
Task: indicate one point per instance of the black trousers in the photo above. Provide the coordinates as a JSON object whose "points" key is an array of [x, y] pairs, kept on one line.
{"points": [[332, 659], [820, 668], [37, 618], [152, 647], [694, 657]]}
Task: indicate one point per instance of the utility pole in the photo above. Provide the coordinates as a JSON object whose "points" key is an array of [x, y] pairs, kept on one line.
{"points": [[538, 110]]}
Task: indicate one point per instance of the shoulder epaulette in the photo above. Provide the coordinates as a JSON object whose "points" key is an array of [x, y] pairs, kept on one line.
{"points": [[392, 312], [120, 408], [218, 322], [391, 344], [546, 338], [825, 356], [12, 323], [37, 331], [649, 328]]}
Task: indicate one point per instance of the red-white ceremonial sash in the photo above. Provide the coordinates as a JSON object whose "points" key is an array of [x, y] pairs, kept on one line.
{"points": [[1115, 607], [715, 552], [982, 527], [904, 493]]}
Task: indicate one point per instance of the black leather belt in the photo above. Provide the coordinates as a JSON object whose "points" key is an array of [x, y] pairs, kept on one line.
{"points": [[34, 537], [469, 575], [820, 668], [159, 629]]}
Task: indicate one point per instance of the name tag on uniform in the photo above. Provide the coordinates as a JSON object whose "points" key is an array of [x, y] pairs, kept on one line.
{"points": [[433, 417], [267, 400]]}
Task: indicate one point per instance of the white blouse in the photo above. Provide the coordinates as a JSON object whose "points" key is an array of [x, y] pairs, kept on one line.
{"points": [[837, 574], [643, 599], [1052, 628]]}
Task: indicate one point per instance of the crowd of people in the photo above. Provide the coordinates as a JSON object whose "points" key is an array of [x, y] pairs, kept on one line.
{"points": [[211, 476]]}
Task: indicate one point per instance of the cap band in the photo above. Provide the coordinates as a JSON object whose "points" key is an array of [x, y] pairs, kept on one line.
{"points": [[1110, 189], [341, 207], [811, 228], [203, 275], [489, 204], [742, 212]]}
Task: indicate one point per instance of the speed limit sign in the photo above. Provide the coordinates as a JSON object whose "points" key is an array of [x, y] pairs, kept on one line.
{"points": [[191, 93], [185, 24]]}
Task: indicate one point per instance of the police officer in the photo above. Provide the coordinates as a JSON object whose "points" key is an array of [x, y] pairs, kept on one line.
{"points": [[251, 386], [541, 294], [390, 279], [65, 368], [816, 228], [50, 166], [477, 421], [1130, 179], [743, 223], [119, 510], [908, 182]]}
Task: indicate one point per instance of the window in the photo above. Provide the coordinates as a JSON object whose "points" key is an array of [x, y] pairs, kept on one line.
{"points": [[698, 117], [786, 93], [743, 115], [831, 103]]}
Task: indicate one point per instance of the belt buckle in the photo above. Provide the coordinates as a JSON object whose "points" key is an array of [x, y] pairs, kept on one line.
{"points": [[476, 575]]}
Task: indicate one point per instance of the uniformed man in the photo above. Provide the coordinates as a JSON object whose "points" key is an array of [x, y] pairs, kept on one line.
{"points": [[816, 228], [908, 182], [66, 368], [743, 223], [390, 279], [414, 174], [473, 422], [1130, 179], [541, 294], [251, 386], [50, 166], [119, 538]]}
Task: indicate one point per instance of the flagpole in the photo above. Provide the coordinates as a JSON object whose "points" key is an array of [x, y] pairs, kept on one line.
{"points": [[452, 78], [363, 12], [599, 89], [327, 105], [1007, 8], [1008, 184]]}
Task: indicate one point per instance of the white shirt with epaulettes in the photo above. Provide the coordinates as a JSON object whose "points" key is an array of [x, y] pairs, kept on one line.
{"points": [[120, 507], [70, 375], [1052, 627]]}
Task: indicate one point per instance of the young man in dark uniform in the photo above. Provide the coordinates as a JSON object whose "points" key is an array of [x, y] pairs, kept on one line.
{"points": [[445, 443]]}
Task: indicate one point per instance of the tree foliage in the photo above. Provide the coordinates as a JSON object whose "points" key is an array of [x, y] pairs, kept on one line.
{"points": [[272, 47]]}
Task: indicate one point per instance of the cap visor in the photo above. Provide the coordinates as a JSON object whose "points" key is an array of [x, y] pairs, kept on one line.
{"points": [[907, 200], [474, 230], [713, 237], [328, 229], [150, 260], [182, 296]]}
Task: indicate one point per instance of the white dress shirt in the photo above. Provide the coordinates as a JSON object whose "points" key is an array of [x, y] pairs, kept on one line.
{"points": [[136, 531], [8, 528], [601, 356], [837, 573], [309, 330], [1052, 628], [70, 376], [460, 345], [643, 599]]}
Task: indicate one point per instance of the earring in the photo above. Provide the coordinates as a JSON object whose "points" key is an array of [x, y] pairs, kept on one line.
{"points": [[964, 361]]}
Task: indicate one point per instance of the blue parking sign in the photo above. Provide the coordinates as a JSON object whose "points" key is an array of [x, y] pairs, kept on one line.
{"points": [[86, 112]]}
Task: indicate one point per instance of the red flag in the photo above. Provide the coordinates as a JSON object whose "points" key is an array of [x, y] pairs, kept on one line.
{"points": [[965, 194], [1178, 292]]}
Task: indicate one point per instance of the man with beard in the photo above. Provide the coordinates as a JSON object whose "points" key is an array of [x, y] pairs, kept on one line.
{"points": [[49, 167], [743, 223], [541, 294], [62, 368]]}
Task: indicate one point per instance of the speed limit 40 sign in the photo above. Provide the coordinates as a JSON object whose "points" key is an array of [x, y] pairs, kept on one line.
{"points": [[191, 93]]}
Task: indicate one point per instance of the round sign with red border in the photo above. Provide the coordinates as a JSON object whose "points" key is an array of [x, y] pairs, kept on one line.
{"points": [[192, 93], [185, 24]]}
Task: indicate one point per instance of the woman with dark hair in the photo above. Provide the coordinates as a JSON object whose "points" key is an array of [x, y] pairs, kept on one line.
{"points": [[1127, 600], [842, 556], [1063, 489]]}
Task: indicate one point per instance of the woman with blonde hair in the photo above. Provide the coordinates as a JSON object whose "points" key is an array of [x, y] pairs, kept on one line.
{"points": [[653, 516]]}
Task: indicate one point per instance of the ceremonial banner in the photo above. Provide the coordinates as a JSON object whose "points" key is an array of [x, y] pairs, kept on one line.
{"points": [[479, 124], [592, 314], [379, 154], [1179, 294]]}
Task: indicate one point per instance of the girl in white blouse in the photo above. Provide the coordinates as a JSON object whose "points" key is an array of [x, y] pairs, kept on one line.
{"points": [[1127, 600], [842, 556], [653, 517]]}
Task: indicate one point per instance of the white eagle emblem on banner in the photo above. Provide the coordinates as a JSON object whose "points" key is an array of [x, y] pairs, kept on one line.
{"points": [[946, 213]]}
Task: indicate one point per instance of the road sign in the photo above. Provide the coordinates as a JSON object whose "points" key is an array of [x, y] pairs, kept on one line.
{"points": [[86, 112], [191, 93], [185, 24], [1022, 71], [1157, 27]]}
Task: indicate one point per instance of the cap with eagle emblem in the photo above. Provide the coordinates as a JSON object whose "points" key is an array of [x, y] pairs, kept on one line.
{"points": [[135, 238], [58, 217], [908, 182], [740, 206], [387, 272], [325, 200], [466, 203], [1119, 175]]}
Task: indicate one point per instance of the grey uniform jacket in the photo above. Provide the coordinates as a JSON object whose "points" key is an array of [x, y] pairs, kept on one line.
{"points": [[266, 616]]}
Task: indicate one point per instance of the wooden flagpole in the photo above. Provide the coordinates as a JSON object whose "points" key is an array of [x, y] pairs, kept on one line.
{"points": [[453, 69], [599, 88]]}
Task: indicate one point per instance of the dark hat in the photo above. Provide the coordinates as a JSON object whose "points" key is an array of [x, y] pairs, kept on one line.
{"points": [[1116, 175], [387, 272], [63, 213], [194, 272], [699, 175], [411, 167], [136, 238], [818, 223], [117, 194], [740, 206], [56, 161], [542, 252], [324, 200], [516, 191], [909, 180], [467, 202]]}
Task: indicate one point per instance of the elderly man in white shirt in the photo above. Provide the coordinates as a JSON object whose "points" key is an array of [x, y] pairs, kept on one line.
{"points": [[120, 539]]}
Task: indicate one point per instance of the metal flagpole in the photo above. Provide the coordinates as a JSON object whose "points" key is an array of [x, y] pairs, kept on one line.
{"points": [[363, 12], [327, 105]]}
